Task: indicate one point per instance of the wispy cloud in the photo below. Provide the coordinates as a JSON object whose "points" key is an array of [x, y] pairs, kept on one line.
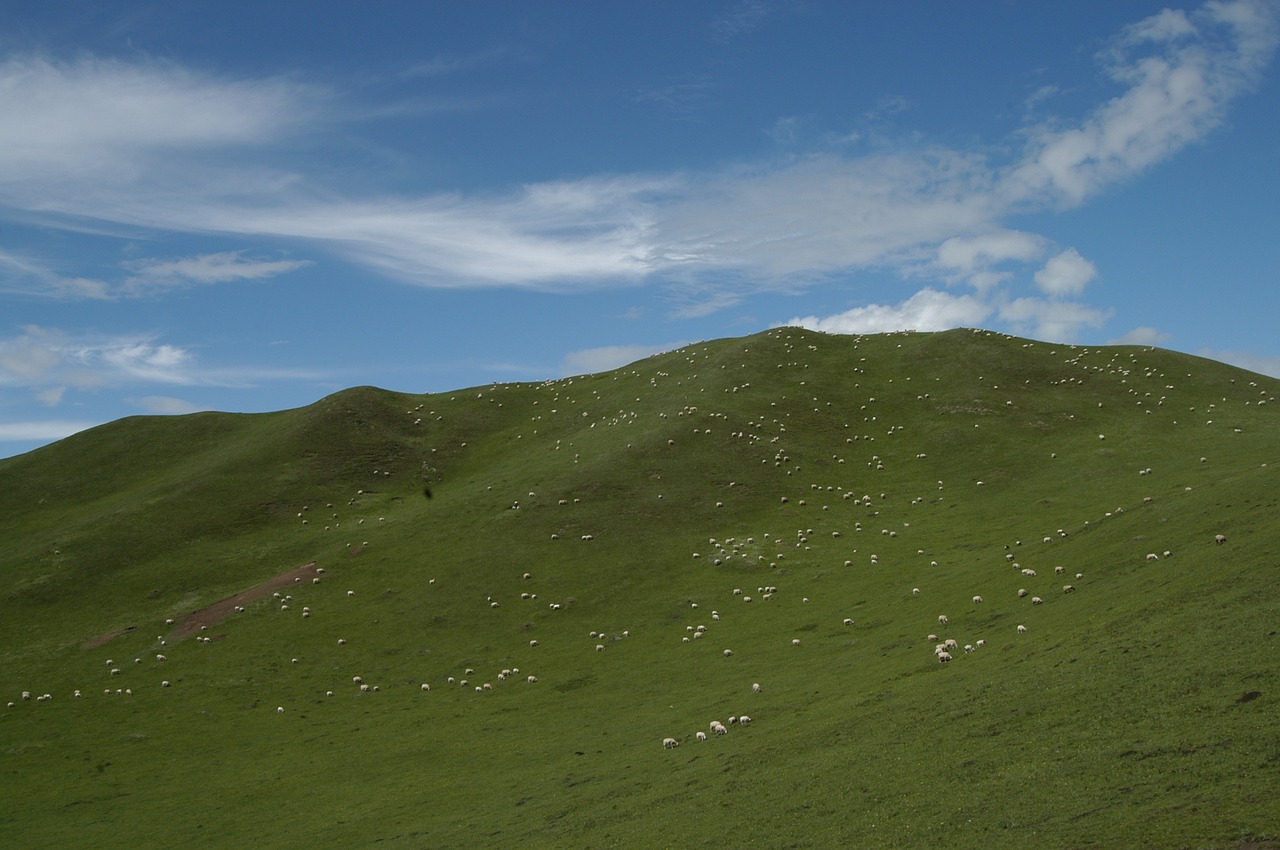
{"points": [[45, 430], [154, 275], [104, 141], [608, 357], [48, 361], [740, 18]]}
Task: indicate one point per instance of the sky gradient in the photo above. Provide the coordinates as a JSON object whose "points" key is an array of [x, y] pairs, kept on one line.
{"points": [[247, 207]]}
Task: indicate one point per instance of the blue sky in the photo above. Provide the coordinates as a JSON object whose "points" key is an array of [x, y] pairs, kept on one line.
{"points": [[245, 207]]}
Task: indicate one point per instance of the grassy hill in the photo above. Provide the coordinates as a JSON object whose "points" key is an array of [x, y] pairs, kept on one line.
{"points": [[815, 503]]}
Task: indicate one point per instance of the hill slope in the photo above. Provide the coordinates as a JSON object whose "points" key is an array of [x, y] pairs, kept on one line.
{"points": [[789, 509]]}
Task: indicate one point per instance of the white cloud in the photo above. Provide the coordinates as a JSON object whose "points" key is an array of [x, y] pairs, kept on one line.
{"points": [[104, 120], [42, 431], [167, 405], [973, 258], [927, 310], [152, 275], [1174, 96], [590, 360], [1141, 336], [162, 147], [51, 397], [1260, 363], [28, 276], [1065, 274], [1051, 320]]}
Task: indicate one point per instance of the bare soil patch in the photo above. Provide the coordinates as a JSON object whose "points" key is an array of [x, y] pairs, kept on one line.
{"points": [[218, 611]]}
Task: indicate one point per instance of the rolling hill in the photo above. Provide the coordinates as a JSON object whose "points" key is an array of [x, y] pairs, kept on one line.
{"points": [[610, 560]]}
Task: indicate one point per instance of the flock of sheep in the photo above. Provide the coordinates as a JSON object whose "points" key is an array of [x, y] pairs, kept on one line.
{"points": [[848, 513]]}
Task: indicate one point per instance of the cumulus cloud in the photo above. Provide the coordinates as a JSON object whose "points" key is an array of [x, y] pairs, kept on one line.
{"points": [[1051, 319], [1065, 274], [1180, 72], [974, 258], [927, 310]]}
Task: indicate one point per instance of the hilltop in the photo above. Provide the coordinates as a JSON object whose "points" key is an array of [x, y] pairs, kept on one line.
{"points": [[602, 536]]}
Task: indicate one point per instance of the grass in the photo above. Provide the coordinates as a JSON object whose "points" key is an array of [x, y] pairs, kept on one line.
{"points": [[1137, 711]]}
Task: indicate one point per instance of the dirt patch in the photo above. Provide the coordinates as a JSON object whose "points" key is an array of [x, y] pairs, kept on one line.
{"points": [[101, 639], [219, 610]]}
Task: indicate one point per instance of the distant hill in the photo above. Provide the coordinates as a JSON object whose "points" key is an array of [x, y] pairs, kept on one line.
{"points": [[614, 559]]}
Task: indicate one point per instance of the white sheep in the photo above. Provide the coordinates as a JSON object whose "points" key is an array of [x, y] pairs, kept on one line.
{"points": [[942, 619], [670, 743], [755, 688], [944, 657], [743, 720], [728, 652], [700, 735], [977, 599], [1022, 630]]}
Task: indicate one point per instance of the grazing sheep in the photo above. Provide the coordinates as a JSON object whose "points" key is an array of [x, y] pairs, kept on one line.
{"points": [[1036, 600], [728, 652], [670, 743], [944, 657], [795, 641], [425, 686], [743, 720], [1219, 539], [1067, 588], [1022, 591], [700, 735], [755, 688], [1022, 630], [977, 599], [942, 619]]}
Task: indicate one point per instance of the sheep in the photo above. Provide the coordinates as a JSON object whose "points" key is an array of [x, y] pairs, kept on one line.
{"points": [[755, 688], [942, 619], [425, 686], [532, 679], [1036, 600], [795, 641], [700, 735], [728, 652], [977, 599], [1219, 539], [1068, 588], [1022, 591], [670, 743], [1022, 630], [944, 657], [743, 720], [599, 647]]}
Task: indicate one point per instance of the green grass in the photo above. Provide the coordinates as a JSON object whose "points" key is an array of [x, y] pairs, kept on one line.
{"points": [[1137, 711]]}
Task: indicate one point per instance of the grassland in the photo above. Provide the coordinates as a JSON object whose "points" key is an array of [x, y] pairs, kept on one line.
{"points": [[1137, 711]]}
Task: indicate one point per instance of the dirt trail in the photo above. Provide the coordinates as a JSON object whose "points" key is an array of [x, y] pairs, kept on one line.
{"points": [[218, 611]]}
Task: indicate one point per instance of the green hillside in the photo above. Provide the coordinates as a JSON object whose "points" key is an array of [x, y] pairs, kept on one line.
{"points": [[610, 560]]}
